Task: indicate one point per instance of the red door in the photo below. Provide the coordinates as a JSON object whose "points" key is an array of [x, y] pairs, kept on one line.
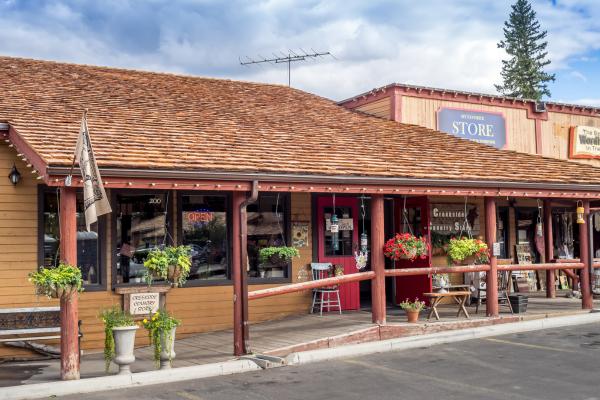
{"points": [[345, 208], [417, 218]]}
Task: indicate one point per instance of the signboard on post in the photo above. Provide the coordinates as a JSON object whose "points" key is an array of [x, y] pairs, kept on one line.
{"points": [[479, 126], [584, 142], [143, 303]]}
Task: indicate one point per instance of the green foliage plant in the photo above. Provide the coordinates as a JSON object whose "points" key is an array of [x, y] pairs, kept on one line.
{"points": [[282, 252], [112, 318], [62, 280], [172, 264], [416, 305], [460, 249], [159, 324]]}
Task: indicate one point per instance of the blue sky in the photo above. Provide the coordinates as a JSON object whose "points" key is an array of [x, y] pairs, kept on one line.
{"points": [[442, 43]]}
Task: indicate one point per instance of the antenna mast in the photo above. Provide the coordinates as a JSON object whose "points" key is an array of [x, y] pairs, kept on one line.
{"points": [[283, 58]]}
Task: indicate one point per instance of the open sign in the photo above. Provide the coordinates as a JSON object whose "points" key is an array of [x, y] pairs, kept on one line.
{"points": [[199, 216]]}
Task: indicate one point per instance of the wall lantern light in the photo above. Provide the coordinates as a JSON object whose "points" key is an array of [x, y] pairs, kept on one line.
{"points": [[14, 175], [580, 212]]}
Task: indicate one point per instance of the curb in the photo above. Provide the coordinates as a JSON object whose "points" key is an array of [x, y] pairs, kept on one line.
{"points": [[90, 385], [63, 388], [432, 339]]}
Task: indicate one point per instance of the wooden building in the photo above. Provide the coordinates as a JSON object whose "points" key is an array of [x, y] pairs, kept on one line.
{"points": [[212, 163]]}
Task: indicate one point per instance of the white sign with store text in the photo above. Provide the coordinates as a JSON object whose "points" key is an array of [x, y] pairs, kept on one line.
{"points": [[585, 142], [143, 303], [344, 224]]}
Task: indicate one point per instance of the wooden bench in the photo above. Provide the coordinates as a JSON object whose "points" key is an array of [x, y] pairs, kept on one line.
{"points": [[31, 324], [460, 297]]}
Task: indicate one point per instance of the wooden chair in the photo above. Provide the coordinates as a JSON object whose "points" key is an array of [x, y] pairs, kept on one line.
{"points": [[503, 289], [322, 297]]}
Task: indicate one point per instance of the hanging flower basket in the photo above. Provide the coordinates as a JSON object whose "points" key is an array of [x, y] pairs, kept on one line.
{"points": [[171, 264], [467, 251], [405, 246], [279, 255], [61, 282]]}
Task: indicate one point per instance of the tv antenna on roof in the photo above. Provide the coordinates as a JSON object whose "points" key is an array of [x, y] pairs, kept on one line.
{"points": [[288, 58]]}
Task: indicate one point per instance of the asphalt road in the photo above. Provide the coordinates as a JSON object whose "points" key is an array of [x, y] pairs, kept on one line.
{"points": [[547, 364]]}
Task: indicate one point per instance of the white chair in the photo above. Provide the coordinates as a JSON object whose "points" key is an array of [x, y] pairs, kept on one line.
{"points": [[322, 297]]}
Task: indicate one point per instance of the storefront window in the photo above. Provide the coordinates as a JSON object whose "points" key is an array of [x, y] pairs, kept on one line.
{"points": [[88, 253], [204, 229], [502, 231], [268, 225], [141, 225]]}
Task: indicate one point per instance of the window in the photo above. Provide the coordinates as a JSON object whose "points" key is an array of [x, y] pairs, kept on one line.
{"points": [[204, 229], [88, 245], [141, 225], [345, 237], [268, 225]]}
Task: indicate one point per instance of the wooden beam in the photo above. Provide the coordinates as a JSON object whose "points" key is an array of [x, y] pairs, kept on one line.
{"points": [[69, 339], [236, 275], [378, 301], [491, 302], [587, 302], [299, 287], [549, 249]]}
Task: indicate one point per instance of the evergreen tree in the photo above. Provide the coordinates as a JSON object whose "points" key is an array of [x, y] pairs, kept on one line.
{"points": [[523, 73]]}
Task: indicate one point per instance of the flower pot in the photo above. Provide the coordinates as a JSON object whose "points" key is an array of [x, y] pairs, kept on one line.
{"points": [[124, 341], [59, 292], [279, 261], [413, 316], [167, 346], [470, 260], [173, 274]]}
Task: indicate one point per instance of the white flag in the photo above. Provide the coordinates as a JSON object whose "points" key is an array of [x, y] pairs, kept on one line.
{"points": [[95, 202]]}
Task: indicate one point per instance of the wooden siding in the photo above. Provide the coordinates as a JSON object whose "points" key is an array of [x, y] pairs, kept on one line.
{"points": [[520, 131], [201, 309], [555, 135], [379, 108]]}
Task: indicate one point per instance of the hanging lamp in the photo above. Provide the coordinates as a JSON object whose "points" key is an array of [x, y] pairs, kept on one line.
{"points": [[580, 212]]}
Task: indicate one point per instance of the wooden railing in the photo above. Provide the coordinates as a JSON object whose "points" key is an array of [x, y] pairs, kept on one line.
{"points": [[362, 276]]}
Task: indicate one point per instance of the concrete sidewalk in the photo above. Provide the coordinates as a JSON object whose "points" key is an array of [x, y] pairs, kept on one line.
{"points": [[58, 388]]}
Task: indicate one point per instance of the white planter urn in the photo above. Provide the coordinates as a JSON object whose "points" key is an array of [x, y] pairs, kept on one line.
{"points": [[124, 344], [167, 346]]}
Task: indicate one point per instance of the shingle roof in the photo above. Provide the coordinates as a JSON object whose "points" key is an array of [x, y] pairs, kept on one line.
{"points": [[162, 121]]}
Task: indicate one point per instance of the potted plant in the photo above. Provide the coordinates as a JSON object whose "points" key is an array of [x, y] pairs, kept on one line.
{"points": [[412, 308], [171, 263], [466, 251], [119, 339], [406, 246], [161, 329], [278, 255], [59, 282]]}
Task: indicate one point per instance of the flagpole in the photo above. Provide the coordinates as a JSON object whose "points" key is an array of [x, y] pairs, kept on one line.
{"points": [[69, 178]]}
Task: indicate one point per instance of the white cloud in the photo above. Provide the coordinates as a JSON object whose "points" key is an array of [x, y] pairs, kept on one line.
{"points": [[442, 43]]}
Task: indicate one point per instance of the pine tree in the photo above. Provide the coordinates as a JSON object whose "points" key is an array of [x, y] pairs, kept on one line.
{"points": [[523, 73]]}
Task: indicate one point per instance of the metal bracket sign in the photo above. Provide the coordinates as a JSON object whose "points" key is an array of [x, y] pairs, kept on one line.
{"points": [[480, 126]]}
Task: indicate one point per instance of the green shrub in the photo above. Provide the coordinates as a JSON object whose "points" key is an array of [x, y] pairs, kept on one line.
{"points": [[159, 260], [282, 252], [53, 282]]}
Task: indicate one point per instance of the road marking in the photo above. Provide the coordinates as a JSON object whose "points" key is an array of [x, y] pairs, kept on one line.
{"points": [[531, 346], [444, 382], [188, 396]]}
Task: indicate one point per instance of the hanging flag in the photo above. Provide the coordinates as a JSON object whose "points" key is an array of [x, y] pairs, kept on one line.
{"points": [[95, 202]]}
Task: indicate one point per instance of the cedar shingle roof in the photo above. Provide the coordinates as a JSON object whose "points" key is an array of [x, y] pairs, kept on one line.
{"points": [[162, 121]]}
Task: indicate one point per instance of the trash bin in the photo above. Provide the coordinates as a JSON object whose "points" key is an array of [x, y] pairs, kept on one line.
{"points": [[518, 303]]}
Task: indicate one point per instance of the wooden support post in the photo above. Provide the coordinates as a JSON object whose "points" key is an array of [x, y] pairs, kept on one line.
{"points": [[584, 256], [236, 275], [377, 261], [491, 302], [69, 316], [549, 249]]}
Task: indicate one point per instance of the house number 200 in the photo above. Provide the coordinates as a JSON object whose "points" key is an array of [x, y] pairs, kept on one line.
{"points": [[154, 200]]}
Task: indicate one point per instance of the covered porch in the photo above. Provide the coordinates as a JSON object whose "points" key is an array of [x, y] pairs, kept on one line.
{"points": [[291, 334]]}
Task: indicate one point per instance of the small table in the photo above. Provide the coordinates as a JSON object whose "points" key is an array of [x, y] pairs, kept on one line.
{"points": [[460, 297]]}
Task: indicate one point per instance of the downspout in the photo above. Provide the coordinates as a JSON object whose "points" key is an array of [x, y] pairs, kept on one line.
{"points": [[244, 264]]}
